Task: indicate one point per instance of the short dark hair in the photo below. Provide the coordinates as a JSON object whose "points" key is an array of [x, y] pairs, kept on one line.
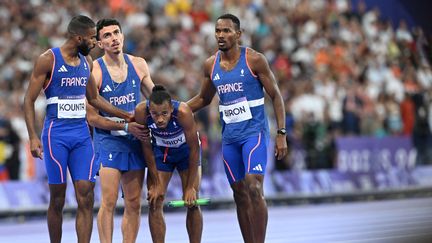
{"points": [[105, 22], [80, 24], [159, 95], [233, 18]]}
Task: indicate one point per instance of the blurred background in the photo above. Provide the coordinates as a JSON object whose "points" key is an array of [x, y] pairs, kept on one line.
{"points": [[355, 76]]}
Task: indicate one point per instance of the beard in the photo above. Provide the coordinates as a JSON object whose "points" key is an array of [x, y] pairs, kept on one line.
{"points": [[84, 49]]}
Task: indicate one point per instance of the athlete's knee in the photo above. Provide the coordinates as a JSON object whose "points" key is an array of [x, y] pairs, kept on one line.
{"points": [[240, 192], [85, 198], [255, 191], [133, 205], [57, 203]]}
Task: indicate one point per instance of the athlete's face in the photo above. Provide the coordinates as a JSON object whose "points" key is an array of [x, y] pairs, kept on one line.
{"points": [[161, 114], [87, 42], [226, 34], [111, 39]]}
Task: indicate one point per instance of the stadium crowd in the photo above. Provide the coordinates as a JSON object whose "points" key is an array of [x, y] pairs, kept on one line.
{"points": [[342, 69]]}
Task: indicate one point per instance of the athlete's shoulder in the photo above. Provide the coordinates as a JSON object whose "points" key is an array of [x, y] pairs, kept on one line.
{"points": [[252, 54], [46, 57], [44, 63], [255, 59], [209, 62], [137, 61]]}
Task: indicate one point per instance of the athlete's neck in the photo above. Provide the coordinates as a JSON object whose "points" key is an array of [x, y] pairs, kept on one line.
{"points": [[69, 52], [112, 59], [231, 55]]}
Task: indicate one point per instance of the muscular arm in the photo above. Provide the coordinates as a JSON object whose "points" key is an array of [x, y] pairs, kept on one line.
{"points": [[41, 73], [140, 118], [207, 92], [100, 103], [96, 120], [186, 120], [143, 72], [260, 67]]}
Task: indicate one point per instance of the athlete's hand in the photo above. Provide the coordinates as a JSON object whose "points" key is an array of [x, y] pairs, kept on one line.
{"points": [[189, 197], [281, 148], [139, 131], [130, 118], [36, 148], [155, 193]]}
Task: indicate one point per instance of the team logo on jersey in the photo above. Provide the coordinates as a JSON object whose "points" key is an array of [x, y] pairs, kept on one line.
{"points": [[107, 89], [216, 77], [258, 168], [242, 73], [62, 69], [110, 157]]}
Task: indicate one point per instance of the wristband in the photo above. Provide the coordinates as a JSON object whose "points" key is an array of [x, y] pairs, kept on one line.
{"points": [[126, 127]]}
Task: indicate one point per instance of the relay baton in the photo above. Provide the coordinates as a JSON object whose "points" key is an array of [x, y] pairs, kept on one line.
{"points": [[181, 203]]}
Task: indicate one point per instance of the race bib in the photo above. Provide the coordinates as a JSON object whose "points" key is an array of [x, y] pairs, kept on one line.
{"points": [[237, 112], [71, 108], [173, 142], [117, 132]]}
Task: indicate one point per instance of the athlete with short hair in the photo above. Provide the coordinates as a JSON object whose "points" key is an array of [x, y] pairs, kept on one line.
{"points": [[239, 74], [64, 74], [121, 79]]}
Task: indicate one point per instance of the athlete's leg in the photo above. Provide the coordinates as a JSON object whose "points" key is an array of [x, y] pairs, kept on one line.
{"points": [[255, 158], [84, 218], [254, 186], [156, 218], [109, 183], [56, 159], [235, 170], [244, 209], [55, 211], [132, 182], [194, 221]]}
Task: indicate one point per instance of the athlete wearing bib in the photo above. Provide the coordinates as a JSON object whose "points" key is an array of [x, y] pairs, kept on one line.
{"points": [[65, 75], [240, 75], [65, 135], [122, 79], [175, 145], [117, 148], [245, 130]]}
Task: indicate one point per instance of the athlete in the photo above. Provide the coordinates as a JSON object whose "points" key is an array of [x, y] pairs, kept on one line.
{"points": [[120, 78], [65, 75], [238, 74], [175, 145]]}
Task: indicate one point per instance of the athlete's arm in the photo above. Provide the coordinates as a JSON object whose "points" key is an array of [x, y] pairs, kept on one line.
{"points": [[260, 67], [41, 73], [207, 92], [100, 103], [143, 72], [156, 191], [186, 120], [96, 120]]}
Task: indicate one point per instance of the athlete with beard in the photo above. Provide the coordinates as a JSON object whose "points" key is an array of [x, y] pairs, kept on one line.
{"points": [[64, 74], [240, 75]]}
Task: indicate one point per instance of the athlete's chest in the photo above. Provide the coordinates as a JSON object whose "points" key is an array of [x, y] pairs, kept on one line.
{"points": [[118, 74]]}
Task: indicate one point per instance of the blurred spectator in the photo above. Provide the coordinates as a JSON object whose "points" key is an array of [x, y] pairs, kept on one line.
{"points": [[354, 66]]}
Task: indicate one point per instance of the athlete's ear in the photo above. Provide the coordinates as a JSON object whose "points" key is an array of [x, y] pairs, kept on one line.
{"points": [[99, 43]]}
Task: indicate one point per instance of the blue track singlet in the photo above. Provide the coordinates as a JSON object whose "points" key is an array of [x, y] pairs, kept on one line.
{"points": [[118, 149], [245, 129], [169, 145], [241, 104], [65, 136]]}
